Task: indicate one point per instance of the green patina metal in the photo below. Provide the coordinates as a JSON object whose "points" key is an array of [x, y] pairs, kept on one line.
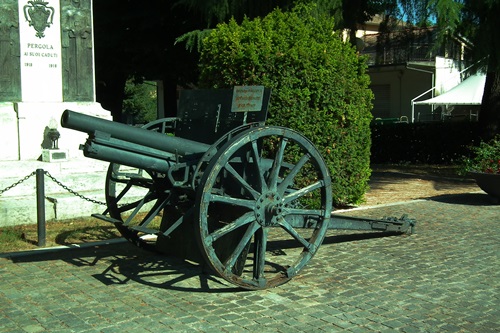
{"points": [[221, 188], [77, 52], [10, 73]]}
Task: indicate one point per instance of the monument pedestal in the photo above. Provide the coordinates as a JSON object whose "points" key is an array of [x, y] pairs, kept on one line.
{"points": [[48, 67], [46, 52], [9, 137], [54, 155], [25, 126]]}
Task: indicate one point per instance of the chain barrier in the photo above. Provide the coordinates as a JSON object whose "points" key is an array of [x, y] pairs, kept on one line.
{"points": [[58, 183], [72, 191], [22, 180]]}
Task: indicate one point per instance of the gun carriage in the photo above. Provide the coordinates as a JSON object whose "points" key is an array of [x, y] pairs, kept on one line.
{"points": [[250, 201]]}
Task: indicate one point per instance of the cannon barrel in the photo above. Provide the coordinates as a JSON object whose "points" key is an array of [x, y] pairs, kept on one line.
{"points": [[171, 144]]}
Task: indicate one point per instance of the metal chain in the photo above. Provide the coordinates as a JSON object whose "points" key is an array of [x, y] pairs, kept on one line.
{"points": [[73, 192], [55, 181], [17, 183]]}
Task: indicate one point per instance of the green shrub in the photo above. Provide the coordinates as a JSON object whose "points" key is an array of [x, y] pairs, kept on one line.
{"points": [[441, 143], [319, 85], [485, 158], [139, 103]]}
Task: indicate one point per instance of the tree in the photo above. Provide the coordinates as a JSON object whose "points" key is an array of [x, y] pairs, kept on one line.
{"points": [[475, 21], [137, 40], [347, 14], [319, 85], [216, 11], [356, 12], [139, 103]]}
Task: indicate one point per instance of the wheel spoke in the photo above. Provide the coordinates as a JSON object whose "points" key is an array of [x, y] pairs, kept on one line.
{"points": [[126, 207], [290, 177], [303, 191], [150, 196], [288, 228], [232, 201], [179, 221], [305, 212], [137, 196], [239, 222], [258, 167], [262, 204], [278, 159], [260, 254], [155, 210], [231, 261], [241, 181], [123, 192]]}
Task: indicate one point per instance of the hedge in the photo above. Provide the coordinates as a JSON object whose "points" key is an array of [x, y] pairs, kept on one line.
{"points": [[319, 85], [423, 143]]}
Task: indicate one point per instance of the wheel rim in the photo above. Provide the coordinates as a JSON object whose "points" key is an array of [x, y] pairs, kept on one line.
{"points": [[136, 197], [258, 223], [207, 157]]}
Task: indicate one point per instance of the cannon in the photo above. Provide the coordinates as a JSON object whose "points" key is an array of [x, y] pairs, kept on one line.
{"points": [[216, 185]]}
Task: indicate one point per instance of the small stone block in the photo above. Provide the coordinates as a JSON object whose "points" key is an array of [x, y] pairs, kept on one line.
{"points": [[54, 155]]}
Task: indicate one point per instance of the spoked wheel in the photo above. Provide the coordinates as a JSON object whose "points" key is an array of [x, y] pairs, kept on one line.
{"points": [[136, 197], [207, 157], [263, 206]]}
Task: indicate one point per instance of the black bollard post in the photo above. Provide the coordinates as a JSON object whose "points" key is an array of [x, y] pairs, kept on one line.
{"points": [[40, 206]]}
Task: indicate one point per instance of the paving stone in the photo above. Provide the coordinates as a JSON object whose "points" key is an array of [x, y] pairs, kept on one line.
{"points": [[445, 278], [33, 328]]}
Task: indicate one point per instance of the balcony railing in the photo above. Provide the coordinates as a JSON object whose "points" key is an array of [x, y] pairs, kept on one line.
{"points": [[404, 46], [396, 55]]}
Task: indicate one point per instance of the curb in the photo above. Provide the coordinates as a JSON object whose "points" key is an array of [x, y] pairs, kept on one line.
{"points": [[340, 211], [9, 255]]}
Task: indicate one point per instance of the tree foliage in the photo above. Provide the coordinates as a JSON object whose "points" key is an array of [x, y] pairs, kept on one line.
{"points": [[134, 39], [215, 11], [475, 20], [319, 85], [347, 14], [139, 103], [472, 22]]}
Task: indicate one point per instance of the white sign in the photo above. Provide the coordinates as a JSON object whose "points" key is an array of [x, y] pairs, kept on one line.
{"points": [[40, 40], [247, 98]]}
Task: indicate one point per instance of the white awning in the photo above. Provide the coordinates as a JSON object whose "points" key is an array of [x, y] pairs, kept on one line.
{"points": [[468, 92]]}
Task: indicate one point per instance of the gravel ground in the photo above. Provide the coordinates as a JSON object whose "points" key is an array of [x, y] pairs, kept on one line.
{"points": [[398, 184]]}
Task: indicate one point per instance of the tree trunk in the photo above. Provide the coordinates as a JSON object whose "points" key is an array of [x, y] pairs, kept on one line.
{"points": [[170, 96], [110, 93], [489, 116]]}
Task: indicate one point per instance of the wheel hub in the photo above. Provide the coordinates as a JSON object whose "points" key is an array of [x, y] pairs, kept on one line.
{"points": [[269, 209]]}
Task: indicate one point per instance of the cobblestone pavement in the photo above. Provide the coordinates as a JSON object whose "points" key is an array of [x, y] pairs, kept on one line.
{"points": [[444, 278]]}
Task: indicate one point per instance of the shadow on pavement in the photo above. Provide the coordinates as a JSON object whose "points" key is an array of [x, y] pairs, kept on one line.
{"points": [[119, 264], [380, 179], [123, 263], [358, 236], [467, 199]]}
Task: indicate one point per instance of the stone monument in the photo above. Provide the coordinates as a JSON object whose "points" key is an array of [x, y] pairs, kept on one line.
{"points": [[46, 52]]}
